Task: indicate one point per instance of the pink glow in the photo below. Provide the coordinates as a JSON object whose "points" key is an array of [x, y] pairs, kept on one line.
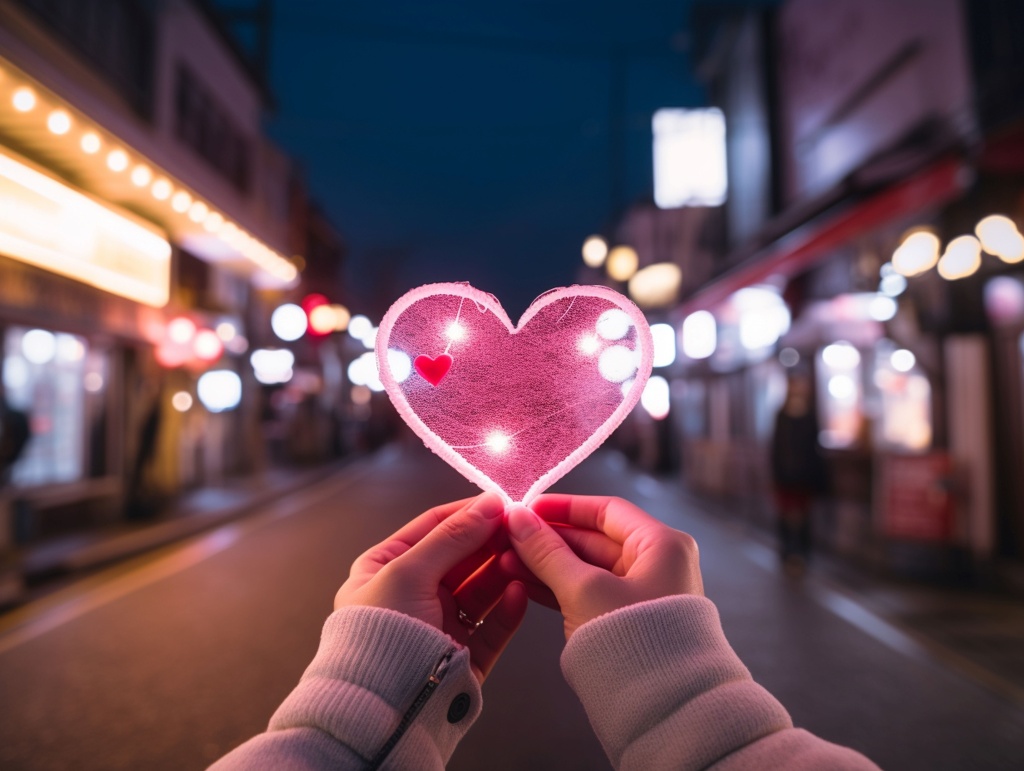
{"points": [[518, 407]]}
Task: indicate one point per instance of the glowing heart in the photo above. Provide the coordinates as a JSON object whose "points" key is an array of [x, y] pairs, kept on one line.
{"points": [[513, 408]]}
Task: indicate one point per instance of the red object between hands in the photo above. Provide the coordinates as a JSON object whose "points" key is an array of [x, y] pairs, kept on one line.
{"points": [[432, 370]]}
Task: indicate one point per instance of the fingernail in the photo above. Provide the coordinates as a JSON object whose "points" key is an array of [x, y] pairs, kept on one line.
{"points": [[522, 523], [489, 505]]}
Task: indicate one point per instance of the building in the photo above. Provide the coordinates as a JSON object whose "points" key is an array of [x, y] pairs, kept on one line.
{"points": [[145, 220], [865, 140]]}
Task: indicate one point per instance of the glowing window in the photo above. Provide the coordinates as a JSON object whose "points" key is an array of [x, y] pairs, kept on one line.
{"points": [[44, 375], [689, 158]]}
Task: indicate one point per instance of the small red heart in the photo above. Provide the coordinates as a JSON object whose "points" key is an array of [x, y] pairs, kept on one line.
{"points": [[433, 370]]}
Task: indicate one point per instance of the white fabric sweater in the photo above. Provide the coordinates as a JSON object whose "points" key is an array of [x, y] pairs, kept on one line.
{"points": [[658, 680]]}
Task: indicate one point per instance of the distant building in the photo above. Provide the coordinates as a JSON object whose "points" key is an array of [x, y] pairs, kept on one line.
{"points": [[850, 125], [136, 187]]}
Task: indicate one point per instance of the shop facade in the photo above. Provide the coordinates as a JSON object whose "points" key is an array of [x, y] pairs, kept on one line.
{"points": [[144, 221], [915, 371]]}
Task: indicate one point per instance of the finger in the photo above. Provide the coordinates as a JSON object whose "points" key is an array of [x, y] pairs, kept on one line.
{"points": [[593, 547], [411, 533], [544, 552], [614, 517], [458, 575], [456, 538], [515, 570], [486, 646]]}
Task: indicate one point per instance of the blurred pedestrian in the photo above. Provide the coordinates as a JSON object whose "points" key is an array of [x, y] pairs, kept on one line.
{"points": [[15, 432], [798, 472], [424, 616]]}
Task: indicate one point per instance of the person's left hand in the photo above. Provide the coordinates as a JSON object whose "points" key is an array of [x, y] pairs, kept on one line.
{"points": [[440, 563]]}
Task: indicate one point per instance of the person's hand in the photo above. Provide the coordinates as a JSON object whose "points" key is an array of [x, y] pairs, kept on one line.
{"points": [[442, 562], [601, 554]]}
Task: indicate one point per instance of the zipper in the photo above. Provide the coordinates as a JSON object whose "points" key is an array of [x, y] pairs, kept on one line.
{"points": [[433, 681]]}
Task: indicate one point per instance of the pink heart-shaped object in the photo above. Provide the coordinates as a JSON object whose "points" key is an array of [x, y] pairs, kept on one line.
{"points": [[513, 408]]}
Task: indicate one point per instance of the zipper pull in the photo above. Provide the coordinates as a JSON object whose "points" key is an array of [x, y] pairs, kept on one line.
{"points": [[441, 669], [433, 681]]}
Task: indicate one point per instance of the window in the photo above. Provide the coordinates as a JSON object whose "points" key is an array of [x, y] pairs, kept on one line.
{"points": [[201, 123], [841, 397], [115, 36], [46, 376], [689, 158]]}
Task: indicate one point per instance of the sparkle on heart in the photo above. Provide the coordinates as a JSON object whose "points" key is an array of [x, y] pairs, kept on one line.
{"points": [[525, 404]]}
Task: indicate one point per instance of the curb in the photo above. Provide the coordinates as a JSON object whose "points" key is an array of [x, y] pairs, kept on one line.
{"points": [[147, 538]]}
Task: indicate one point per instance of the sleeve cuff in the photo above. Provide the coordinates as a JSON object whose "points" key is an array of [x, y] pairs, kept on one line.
{"points": [[661, 674], [370, 665]]}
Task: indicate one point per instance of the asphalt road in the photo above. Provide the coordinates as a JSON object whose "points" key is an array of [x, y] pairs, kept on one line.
{"points": [[169, 661]]}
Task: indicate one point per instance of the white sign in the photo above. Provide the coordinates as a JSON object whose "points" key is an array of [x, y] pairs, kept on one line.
{"points": [[689, 158], [47, 224]]}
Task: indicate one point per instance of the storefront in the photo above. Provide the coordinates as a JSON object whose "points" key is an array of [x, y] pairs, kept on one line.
{"points": [[82, 284]]}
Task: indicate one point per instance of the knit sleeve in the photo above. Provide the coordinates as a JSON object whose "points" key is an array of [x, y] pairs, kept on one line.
{"points": [[371, 666], [664, 690]]}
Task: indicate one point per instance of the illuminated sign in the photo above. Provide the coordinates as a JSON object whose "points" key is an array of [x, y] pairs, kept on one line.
{"points": [[689, 158], [47, 224]]}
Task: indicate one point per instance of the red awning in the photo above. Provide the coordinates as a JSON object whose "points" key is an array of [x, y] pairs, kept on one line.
{"points": [[803, 247]]}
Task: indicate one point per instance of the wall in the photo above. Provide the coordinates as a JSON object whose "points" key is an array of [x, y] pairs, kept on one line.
{"points": [[857, 76]]}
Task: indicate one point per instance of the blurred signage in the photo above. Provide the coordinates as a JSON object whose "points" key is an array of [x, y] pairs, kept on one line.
{"points": [[47, 224], [689, 158], [858, 76], [913, 497]]}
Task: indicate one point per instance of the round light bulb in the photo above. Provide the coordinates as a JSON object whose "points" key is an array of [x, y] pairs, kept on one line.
{"points": [[90, 143], [181, 201], [198, 211], [902, 360], [161, 189], [117, 161], [594, 251], [498, 442], [622, 263], [917, 254], [182, 401], [961, 258], [24, 99], [455, 332], [289, 322], [141, 175], [214, 222], [59, 122]]}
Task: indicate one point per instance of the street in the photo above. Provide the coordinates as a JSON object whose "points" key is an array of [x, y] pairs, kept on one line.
{"points": [[169, 661]]}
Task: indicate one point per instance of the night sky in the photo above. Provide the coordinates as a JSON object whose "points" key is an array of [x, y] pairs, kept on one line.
{"points": [[472, 141]]}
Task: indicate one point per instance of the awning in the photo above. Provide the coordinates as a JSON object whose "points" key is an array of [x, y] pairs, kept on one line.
{"points": [[805, 246]]}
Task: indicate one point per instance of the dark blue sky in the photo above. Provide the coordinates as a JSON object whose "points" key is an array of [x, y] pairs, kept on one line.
{"points": [[470, 141]]}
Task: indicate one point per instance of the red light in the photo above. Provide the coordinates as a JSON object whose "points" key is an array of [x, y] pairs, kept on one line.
{"points": [[311, 301], [207, 346], [181, 330]]}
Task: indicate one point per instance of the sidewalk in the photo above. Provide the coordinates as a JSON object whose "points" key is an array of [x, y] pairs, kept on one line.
{"points": [[978, 631], [188, 515]]}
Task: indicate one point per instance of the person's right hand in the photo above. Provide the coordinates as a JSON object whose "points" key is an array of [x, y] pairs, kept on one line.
{"points": [[602, 554]]}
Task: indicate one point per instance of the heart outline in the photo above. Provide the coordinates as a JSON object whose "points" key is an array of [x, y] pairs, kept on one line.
{"points": [[489, 302]]}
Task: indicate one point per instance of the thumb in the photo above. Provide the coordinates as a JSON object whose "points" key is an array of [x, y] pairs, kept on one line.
{"points": [[543, 551], [456, 538]]}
